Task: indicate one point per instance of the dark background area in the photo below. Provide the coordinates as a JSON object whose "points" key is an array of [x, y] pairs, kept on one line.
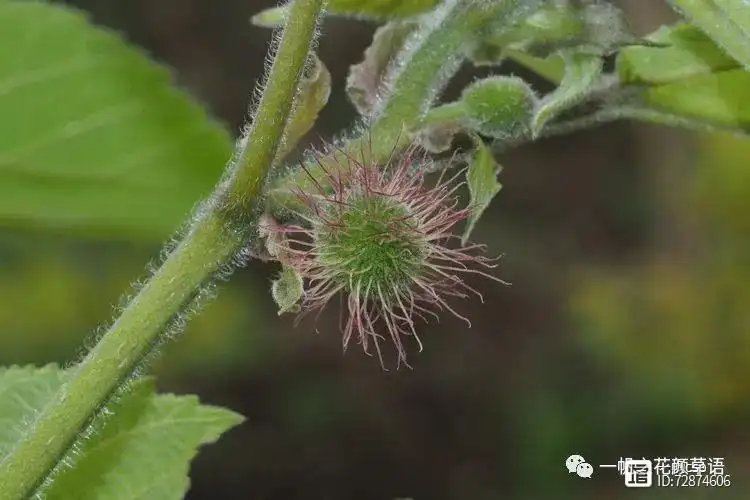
{"points": [[626, 331]]}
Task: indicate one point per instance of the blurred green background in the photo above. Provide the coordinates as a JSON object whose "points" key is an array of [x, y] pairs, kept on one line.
{"points": [[626, 331]]}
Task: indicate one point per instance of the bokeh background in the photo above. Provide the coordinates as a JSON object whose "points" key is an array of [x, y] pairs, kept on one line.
{"points": [[626, 331]]}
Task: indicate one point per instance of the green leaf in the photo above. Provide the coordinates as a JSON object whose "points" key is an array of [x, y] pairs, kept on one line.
{"points": [[23, 391], [270, 18], [686, 52], [314, 90], [499, 106], [598, 27], [551, 67], [287, 290], [582, 72], [365, 79], [605, 28], [142, 450], [727, 22], [100, 140], [689, 82], [369, 9], [718, 99], [483, 185]]}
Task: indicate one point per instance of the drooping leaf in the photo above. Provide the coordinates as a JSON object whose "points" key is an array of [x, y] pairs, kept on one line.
{"points": [[144, 449], [287, 290], [365, 78], [100, 139], [499, 106], [727, 22], [686, 52], [314, 90], [23, 391], [582, 71], [483, 185], [368, 9]]}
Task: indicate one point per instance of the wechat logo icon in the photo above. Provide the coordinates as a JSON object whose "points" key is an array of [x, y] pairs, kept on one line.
{"points": [[578, 464]]}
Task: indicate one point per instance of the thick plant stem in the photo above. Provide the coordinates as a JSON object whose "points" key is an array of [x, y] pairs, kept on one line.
{"points": [[213, 240], [274, 108]]}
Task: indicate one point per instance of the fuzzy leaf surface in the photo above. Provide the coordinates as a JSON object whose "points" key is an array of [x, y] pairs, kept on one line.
{"points": [[101, 141], [23, 391], [483, 184], [687, 80], [287, 290], [551, 67], [686, 51], [716, 99], [727, 22], [365, 79], [314, 90], [582, 72], [555, 27], [145, 448], [142, 451]]}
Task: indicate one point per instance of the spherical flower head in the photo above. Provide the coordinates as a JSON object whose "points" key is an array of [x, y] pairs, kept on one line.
{"points": [[379, 237]]}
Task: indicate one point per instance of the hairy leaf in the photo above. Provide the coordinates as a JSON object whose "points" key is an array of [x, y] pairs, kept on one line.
{"points": [[365, 79], [483, 185], [687, 81], [686, 51], [142, 450], [369, 9], [23, 391], [726, 21], [582, 71], [145, 448], [552, 67], [287, 290], [556, 26], [314, 90], [718, 99], [100, 139]]}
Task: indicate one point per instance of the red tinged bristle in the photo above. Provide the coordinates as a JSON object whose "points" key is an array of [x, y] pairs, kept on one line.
{"points": [[336, 249]]}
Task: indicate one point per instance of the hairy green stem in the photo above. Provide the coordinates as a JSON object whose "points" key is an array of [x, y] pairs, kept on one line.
{"points": [[275, 106], [431, 55], [426, 68], [214, 238]]}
